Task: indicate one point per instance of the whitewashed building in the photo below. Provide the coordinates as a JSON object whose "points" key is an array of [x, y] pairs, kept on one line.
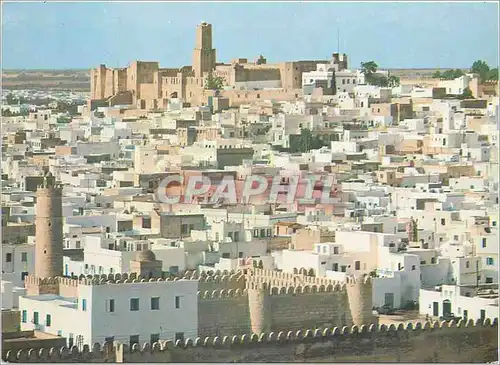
{"points": [[461, 301], [141, 312]]}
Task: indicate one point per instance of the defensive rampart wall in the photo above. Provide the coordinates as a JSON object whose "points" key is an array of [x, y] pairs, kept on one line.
{"points": [[222, 312], [467, 342]]}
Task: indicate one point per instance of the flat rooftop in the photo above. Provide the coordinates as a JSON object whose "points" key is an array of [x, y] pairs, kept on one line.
{"points": [[56, 299]]}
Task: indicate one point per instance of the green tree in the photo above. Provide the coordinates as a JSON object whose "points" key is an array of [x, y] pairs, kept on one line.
{"points": [[214, 82], [467, 94], [380, 80], [492, 75], [393, 81], [437, 75], [482, 69], [369, 69], [6, 113], [452, 74], [11, 100]]}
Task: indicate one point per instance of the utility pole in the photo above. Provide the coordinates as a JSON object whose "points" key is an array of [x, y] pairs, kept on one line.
{"points": [[477, 274]]}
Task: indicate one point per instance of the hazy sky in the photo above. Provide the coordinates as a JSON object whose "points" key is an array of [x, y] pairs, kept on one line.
{"points": [[83, 35]]}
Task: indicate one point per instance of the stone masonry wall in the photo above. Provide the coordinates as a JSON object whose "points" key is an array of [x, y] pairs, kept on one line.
{"points": [[222, 313], [467, 342], [297, 310]]}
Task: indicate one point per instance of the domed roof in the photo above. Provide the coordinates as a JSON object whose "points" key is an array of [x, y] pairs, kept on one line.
{"points": [[146, 255]]}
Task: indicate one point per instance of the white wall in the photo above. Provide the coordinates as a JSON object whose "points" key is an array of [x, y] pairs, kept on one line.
{"points": [[381, 286], [97, 322], [459, 303], [17, 265]]}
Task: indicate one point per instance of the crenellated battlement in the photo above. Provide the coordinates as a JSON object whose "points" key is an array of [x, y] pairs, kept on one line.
{"points": [[306, 289], [222, 279], [33, 280], [261, 284], [206, 348], [364, 280], [222, 294], [279, 279]]}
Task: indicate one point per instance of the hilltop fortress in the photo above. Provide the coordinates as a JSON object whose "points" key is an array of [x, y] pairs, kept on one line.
{"points": [[147, 86]]}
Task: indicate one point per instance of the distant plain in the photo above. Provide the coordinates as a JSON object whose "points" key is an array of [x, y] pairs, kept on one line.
{"points": [[79, 80]]}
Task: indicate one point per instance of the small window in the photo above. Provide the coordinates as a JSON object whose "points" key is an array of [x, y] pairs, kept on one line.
{"points": [[184, 228], [24, 256], [84, 305], [413, 267], [443, 221], [489, 261], [179, 336], [155, 337], [177, 302], [484, 242], [357, 265], [35, 317], [467, 264], [134, 339], [24, 316], [48, 320], [8, 257], [134, 304], [155, 303], [111, 306]]}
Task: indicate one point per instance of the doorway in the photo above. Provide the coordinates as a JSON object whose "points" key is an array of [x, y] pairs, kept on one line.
{"points": [[466, 313], [389, 300], [435, 309], [483, 314], [446, 307]]}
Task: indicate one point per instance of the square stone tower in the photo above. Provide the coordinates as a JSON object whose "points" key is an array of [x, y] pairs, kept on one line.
{"points": [[203, 53]]}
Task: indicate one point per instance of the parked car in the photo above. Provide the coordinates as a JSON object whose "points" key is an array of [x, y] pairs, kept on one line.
{"points": [[449, 317], [385, 309]]}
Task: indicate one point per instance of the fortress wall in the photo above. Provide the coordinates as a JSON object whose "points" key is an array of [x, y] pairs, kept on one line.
{"points": [[109, 83], [237, 97], [68, 287], [422, 342], [256, 74], [289, 279], [303, 307], [223, 313], [219, 282]]}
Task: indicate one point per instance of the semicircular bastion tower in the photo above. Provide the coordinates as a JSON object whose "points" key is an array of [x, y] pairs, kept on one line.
{"points": [[359, 294]]}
